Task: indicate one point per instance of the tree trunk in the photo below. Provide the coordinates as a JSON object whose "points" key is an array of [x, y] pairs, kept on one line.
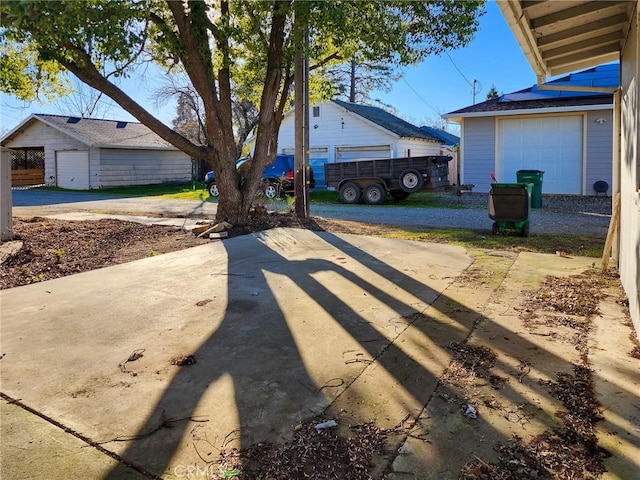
{"points": [[352, 81]]}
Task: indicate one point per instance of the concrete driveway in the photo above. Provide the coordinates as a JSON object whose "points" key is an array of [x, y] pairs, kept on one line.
{"points": [[287, 326]]}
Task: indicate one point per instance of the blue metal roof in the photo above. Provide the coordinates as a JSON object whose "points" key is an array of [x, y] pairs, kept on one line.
{"points": [[603, 76], [445, 137]]}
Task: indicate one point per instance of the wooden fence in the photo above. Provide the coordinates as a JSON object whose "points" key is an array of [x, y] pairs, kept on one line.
{"points": [[29, 176]]}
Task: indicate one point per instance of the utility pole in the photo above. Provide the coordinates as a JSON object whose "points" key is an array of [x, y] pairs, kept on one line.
{"points": [[301, 110]]}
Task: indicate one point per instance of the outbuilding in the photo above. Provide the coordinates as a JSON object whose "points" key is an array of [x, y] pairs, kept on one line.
{"points": [[563, 128], [342, 131], [86, 153]]}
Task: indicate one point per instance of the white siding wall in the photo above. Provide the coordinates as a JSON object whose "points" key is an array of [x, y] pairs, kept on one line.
{"points": [[599, 149], [42, 135], [142, 167], [417, 147], [478, 152], [336, 127], [630, 171]]}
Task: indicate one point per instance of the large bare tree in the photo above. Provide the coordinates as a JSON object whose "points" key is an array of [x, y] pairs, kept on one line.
{"points": [[218, 44]]}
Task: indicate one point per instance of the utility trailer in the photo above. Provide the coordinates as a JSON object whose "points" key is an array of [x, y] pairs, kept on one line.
{"points": [[371, 180]]}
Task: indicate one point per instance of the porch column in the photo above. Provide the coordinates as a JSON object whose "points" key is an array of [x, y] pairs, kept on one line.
{"points": [[6, 222]]}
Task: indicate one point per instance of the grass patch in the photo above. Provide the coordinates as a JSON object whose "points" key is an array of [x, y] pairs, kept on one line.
{"points": [[185, 190], [579, 245]]}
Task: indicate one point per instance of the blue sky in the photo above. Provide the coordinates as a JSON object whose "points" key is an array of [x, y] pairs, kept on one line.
{"points": [[439, 85]]}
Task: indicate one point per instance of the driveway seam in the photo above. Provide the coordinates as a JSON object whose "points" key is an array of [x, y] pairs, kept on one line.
{"points": [[79, 436]]}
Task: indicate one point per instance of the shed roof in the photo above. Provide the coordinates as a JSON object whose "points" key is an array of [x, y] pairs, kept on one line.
{"points": [[387, 121], [97, 133], [445, 137]]}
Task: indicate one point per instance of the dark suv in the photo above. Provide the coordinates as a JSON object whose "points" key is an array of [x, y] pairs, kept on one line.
{"points": [[277, 178]]}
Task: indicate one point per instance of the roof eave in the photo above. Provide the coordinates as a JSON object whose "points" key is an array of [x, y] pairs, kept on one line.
{"points": [[134, 147], [65, 131], [516, 19], [529, 111]]}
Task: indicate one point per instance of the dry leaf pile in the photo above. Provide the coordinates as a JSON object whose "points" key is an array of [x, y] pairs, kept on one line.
{"points": [[468, 371], [569, 451], [310, 455]]}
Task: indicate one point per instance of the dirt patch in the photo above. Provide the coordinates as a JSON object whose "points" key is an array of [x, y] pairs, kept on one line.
{"points": [[47, 248], [55, 248]]}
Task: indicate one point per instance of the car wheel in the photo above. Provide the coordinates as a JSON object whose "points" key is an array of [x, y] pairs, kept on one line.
{"points": [[213, 190], [272, 190], [411, 180], [399, 194], [350, 193], [374, 194]]}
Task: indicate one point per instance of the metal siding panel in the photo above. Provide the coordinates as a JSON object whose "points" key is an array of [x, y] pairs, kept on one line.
{"points": [[629, 247], [143, 167], [478, 152], [599, 149]]}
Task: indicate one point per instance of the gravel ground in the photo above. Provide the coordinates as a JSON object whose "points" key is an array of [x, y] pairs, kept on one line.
{"points": [[559, 214]]}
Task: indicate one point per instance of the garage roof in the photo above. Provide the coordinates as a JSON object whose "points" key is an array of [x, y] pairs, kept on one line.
{"points": [[563, 36], [574, 94], [98, 133], [387, 121]]}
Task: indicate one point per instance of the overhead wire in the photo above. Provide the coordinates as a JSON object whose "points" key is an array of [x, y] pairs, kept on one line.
{"points": [[459, 71], [418, 95]]}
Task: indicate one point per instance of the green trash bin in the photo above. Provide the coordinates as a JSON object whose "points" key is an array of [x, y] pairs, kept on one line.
{"points": [[509, 207], [534, 177]]}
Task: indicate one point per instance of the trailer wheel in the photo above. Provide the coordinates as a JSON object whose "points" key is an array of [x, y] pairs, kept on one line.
{"points": [[525, 230], [411, 180], [495, 229], [399, 194], [350, 193], [374, 194]]}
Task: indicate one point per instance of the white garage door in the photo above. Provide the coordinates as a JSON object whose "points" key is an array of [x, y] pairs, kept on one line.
{"points": [[370, 152], [72, 170], [550, 144]]}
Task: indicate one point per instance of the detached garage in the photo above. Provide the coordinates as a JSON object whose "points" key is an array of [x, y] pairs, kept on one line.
{"points": [[85, 153], [551, 144], [342, 132], [563, 128]]}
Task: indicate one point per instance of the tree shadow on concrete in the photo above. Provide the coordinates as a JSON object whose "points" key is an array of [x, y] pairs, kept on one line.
{"points": [[273, 380]]}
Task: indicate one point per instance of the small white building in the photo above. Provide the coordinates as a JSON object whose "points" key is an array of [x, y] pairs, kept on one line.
{"points": [[342, 131], [85, 153]]}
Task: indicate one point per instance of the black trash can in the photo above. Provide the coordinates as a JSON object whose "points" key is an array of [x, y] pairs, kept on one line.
{"points": [[534, 177]]}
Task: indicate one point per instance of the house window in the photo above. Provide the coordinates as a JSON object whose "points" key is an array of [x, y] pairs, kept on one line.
{"points": [[316, 112]]}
